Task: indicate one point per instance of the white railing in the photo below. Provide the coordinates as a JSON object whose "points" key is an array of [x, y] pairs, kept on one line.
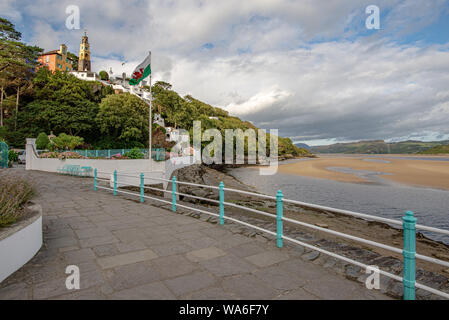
{"points": [[409, 237]]}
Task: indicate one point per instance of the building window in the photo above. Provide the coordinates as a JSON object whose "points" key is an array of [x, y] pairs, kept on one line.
{"points": [[47, 59]]}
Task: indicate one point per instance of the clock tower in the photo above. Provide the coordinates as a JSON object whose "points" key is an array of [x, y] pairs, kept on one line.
{"points": [[84, 56]]}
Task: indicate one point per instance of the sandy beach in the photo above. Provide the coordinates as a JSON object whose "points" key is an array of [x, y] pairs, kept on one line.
{"points": [[424, 173]]}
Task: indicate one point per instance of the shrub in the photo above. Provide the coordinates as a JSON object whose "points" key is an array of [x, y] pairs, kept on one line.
{"points": [[65, 141], [134, 153], [13, 156], [118, 156], [42, 141], [52, 155], [104, 75], [70, 155], [14, 194], [62, 155]]}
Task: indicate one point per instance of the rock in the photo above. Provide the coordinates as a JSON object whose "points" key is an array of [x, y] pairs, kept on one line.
{"points": [[395, 290], [446, 271], [352, 272], [330, 262], [322, 225], [311, 256]]}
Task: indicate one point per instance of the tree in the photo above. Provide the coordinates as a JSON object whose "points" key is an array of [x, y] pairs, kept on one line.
{"points": [[104, 75], [124, 119], [17, 64], [74, 59], [42, 141]]}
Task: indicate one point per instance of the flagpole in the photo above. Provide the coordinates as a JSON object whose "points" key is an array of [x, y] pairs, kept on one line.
{"points": [[150, 122]]}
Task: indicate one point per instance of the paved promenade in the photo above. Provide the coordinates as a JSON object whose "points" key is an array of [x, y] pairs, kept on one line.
{"points": [[129, 250]]}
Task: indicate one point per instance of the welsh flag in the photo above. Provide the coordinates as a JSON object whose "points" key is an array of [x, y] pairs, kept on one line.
{"points": [[142, 71]]}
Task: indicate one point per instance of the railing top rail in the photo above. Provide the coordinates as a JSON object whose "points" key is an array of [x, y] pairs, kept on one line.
{"points": [[305, 204]]}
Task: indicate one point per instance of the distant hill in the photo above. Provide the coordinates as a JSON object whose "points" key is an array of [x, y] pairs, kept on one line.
{"points": [[379, 147], [302, 145], [436, 150]]}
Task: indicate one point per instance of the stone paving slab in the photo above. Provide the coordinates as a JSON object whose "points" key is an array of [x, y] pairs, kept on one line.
{"points": [[128, 250]]}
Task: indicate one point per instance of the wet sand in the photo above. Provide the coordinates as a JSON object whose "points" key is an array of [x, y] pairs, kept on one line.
{"points": [[423, 173]]}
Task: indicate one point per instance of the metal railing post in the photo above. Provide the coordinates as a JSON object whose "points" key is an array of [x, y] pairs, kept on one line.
{"points": [[141, 187], [96, 153], [95, 179], [221, 196], [173, 205], [409, 252], [109, 153], [115, 182], [279, 214]]}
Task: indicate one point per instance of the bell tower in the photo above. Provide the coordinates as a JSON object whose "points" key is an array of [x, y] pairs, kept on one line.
{"points": [[84, 56]]}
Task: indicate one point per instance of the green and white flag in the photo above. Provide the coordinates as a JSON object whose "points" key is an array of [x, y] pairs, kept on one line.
{"points": [[142, 71]]}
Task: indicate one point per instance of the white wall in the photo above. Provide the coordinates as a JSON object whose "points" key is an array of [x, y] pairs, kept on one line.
{"points": [[150, 168], [19, 248]]}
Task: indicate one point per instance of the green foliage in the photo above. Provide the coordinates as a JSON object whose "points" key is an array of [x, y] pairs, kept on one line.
{"points": [[42, 141], [379, 147], [14, 194], [124, 119], [67, 142], [17, 60], [62, 104], [104, 75], [74, 59], [443, 149], [13, 156], [134, 153]]}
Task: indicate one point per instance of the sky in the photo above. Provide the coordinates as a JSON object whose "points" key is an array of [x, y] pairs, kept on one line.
{"points": [[308, 68]]}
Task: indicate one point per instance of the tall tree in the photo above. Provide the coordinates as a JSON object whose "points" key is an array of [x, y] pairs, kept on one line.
{"points": [[124, 119], [17, 63]]}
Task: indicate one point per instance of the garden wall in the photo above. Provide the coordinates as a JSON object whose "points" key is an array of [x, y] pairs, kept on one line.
{"points": [[151, 168]]}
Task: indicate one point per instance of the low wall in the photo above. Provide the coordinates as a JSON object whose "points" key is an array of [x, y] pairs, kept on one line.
{"points": [[125, 168], [20, 242]]}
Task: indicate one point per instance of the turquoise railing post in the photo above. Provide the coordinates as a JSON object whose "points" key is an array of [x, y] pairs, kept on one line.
{"points": [[409, 252], [173, 205], [96, 153], [123, 152], [85, 153], [109, 153], [221, 195], [141, 187], [115, 182], [279, 214], [95, 179]]}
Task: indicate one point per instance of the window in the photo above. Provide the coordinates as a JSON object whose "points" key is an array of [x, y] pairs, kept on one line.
{"points": [[47, 59]]}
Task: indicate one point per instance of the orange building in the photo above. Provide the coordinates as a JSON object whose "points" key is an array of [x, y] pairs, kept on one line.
{"points": [[56, 60]]}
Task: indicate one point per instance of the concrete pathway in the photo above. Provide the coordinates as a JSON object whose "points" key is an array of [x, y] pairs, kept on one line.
{"points": [[129, 250]]}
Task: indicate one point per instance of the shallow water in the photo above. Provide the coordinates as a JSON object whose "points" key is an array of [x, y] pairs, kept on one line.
{"points": [[383, 198]]}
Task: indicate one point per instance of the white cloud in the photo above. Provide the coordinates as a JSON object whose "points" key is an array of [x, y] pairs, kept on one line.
{"points": [[292, 65]]}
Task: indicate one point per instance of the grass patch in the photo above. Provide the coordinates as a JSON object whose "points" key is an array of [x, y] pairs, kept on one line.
{"points": [[14, 194]]}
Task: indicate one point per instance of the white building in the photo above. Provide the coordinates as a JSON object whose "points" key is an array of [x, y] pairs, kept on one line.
{"points": [[159, 120], [86, 75]]}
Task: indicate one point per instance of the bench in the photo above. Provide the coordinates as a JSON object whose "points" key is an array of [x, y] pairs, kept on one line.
{"points": [[75, 170]]}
